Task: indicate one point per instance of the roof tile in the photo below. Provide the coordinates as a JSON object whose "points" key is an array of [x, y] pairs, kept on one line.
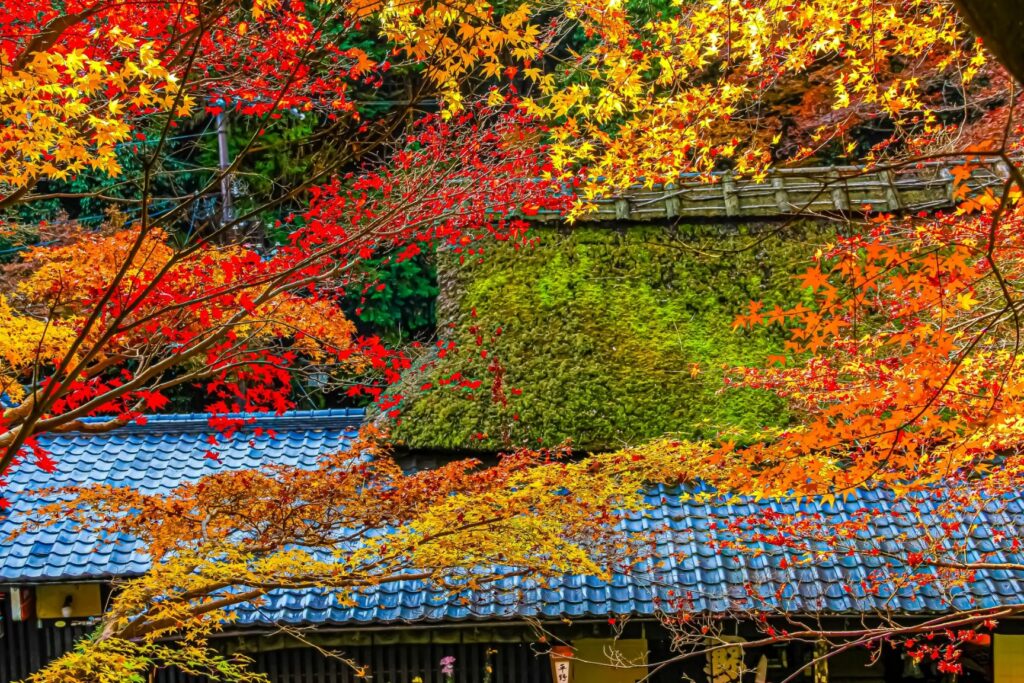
{"points": [[170, 450]]}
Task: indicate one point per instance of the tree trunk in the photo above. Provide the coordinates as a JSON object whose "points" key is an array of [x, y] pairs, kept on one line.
{"points": [[1000, 25]]}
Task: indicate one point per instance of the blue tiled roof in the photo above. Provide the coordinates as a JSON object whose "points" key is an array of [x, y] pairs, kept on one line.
{"points": [[687, 566], [168, 450]]}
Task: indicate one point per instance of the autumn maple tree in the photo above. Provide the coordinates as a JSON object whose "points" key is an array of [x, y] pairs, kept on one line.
{"points": [[902, 361], [232, 541], [99, 325]]}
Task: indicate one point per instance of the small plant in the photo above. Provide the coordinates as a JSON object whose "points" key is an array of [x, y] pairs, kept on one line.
{"points": [[488, 668], [448, 668]]}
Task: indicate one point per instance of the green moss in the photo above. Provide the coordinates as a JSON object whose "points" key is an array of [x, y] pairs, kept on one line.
{"points": [[600, 330]]}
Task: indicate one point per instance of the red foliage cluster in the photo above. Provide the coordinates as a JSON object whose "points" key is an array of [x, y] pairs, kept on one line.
{"points": [[243, 323]]}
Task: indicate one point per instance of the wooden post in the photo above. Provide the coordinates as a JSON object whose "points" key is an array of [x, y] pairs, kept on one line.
{"points": [[950, 184], [621, 209], [671, 201], [781, 196], [838, 192], [732, 200], [892, 196]]}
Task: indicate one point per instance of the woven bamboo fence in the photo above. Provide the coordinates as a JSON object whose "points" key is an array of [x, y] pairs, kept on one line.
{"points": [[832, 190]]}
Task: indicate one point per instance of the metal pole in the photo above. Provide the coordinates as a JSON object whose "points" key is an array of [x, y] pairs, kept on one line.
{"points": [[227, 214]]}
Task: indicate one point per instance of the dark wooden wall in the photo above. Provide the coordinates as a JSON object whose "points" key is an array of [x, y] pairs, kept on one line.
{"points": [[511, 662], [26, 647]]}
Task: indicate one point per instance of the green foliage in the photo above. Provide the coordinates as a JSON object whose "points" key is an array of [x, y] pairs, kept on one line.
{"points": [[398, 304], [86, 191], [282, 159], [613, 337]]}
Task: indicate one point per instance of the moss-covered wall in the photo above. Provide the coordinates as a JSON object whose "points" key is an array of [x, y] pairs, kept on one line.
{"points": [[601, 330]]}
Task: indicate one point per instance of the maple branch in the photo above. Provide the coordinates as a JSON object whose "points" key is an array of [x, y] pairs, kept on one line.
{"points": [[51, 33], [850, 638]]}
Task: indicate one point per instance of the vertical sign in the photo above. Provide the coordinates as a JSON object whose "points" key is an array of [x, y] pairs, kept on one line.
{"points": [[561, 664], [21, 604]]}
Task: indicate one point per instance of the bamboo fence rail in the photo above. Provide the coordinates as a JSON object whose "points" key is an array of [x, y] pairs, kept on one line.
{"points": [[830, 190]]}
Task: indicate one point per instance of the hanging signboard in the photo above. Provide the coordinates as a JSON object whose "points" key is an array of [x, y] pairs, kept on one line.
{"points": [[21, 604], [561, 664]]}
